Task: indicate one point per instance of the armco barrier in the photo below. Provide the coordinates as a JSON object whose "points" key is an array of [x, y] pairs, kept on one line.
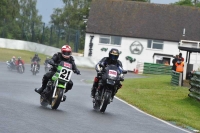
{"points": [[176, 78], [195, 86], [150, 68]]}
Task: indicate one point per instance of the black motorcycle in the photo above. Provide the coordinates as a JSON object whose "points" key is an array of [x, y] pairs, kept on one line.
{"points": [[47, 67], [108, 86], [34, 69]]}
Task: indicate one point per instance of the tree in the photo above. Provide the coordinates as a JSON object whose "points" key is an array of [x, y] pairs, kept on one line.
{"points": [[30, 21], [9, 12], [188, 3]]}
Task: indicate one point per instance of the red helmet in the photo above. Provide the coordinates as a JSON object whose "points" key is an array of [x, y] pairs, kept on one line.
{"points": [[66, 51]]}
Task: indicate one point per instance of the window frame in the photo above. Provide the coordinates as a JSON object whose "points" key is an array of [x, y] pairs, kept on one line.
{"points": [[110, 39], [152, 42]]}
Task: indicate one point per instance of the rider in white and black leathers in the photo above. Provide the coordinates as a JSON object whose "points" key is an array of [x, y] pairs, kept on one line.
{"points": [[64, 55], [112, 59]]}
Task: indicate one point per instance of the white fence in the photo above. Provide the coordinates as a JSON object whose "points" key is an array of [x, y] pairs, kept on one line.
{"points": [[47, 50]]}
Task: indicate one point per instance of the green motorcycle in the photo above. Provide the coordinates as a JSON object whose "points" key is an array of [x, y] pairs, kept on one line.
{"points": [[56, 86]]}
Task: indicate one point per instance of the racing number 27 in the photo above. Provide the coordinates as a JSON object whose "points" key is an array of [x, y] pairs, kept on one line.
{"points": [[65, 74]]}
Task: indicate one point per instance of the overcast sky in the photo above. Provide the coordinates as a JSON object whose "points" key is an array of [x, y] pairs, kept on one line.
{"points": [[45, 7]]}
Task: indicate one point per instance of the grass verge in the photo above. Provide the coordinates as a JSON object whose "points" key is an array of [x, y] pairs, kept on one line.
{"points": [[156, 96], [6, 54]]}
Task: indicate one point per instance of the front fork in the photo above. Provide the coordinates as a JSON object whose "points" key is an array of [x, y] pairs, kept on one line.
{"points": [[55, 89]]}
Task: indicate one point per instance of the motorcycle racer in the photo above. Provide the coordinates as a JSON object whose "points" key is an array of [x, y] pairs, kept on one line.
{"points": [[111, 59], [64, 55], [19, 60], [37, 59]]}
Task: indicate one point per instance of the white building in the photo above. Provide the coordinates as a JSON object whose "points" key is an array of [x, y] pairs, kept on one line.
{"points": [[143, 31]]}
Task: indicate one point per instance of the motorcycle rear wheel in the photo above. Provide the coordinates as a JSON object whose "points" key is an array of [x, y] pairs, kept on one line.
{"points": [[43, 102], [58, 97]]}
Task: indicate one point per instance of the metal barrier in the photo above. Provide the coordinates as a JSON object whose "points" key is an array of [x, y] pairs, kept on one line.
{"points": [[195, 86], [176, 78]]}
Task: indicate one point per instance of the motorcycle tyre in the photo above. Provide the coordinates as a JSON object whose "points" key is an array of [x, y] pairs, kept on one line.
{"points": [[43, 102], [105, 101], [34, 70], [56, 101], [21, 70], [95, 104]]}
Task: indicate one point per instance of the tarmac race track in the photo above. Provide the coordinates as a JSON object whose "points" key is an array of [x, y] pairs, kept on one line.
{"points": [[21, 112]]}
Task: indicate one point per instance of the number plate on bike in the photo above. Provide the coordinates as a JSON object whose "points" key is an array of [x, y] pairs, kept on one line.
{"points": [[111, 82], [112, 73], [65, 74]]}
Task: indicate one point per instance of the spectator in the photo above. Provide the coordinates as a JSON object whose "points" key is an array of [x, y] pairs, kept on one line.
{"points": [[174, 62], [166, 63], [180, 57], [179, 68]]}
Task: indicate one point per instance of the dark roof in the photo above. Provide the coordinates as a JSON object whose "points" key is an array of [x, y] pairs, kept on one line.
{"points": [[144, 20], [189, 49], [169, 55]]}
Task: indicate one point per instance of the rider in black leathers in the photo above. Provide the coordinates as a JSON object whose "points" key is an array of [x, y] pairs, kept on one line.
{"points": [[112, 59], [37, 59], [46, 61], [64, 55]]}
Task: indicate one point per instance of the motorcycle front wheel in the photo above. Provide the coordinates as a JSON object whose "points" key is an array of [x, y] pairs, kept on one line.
{"points": [[34, 70], [58, 97], [20, 69], [105, 101]]}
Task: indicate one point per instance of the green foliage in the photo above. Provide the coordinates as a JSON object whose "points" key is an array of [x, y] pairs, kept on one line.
{"points": [[184, 2], [71, 16], [188, 3], [155, 95], [18, 18]]}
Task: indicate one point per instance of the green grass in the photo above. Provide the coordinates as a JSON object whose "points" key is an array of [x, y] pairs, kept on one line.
{"points": [[156, 96], [6, 54]]}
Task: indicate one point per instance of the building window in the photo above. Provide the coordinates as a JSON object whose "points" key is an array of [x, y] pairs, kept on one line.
{"points": [[155, 44], [115, 40]]}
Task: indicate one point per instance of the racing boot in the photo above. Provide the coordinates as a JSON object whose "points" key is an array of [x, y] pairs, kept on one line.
{"points": [[63, 98], [39, 90], [44, 84], [94, 86]]}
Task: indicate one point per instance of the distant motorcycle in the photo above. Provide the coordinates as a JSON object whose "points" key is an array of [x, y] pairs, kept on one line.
{"points": [[47, 67], [11, 66], [34, 68], [110, 79], [20, 68], [53, 94]]}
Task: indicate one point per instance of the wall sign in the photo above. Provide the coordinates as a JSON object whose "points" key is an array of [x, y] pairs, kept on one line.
{"points": [[104, 49], [136, 48], [131, 60]]}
